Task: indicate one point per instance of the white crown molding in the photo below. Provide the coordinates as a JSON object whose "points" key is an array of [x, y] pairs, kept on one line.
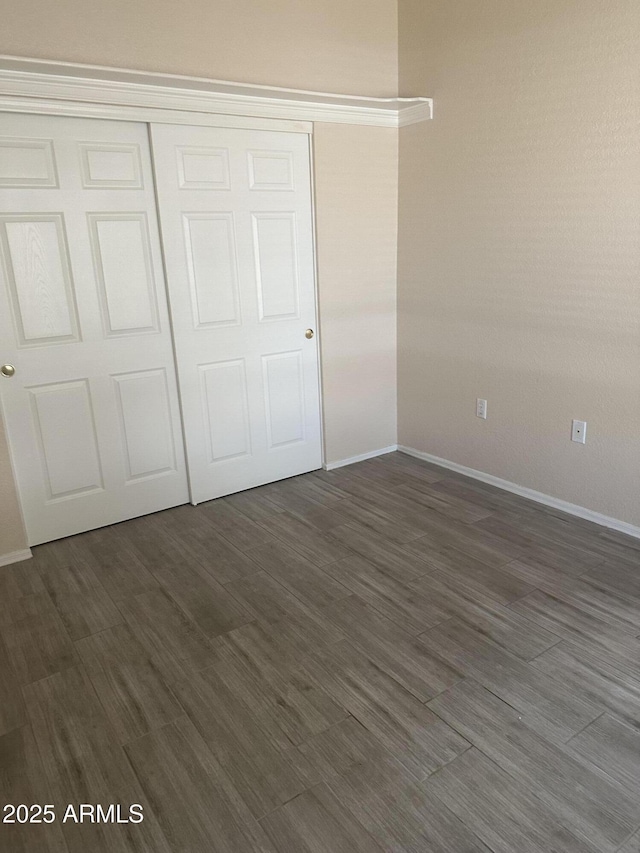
{"points": [[531, 494], [37, 86]]}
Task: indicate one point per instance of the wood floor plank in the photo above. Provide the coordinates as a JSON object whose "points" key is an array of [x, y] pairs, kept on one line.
{"points": [[375, 471], [265, 775], [321, 518], [170, 638], [509, 630], [414, 468], [335, 750], [586, 593], [596, 677], [501, 586], [82, 765], [316, 822], [415, 736], [302, 499], [268, 600], [620, 575], [21, 782], [12, 708], [290, 707], [228, 522], [567, 620], [389, 527], [37, 644], [18, 583], [470, 539], [298, 575], [313, 545], [196, 803], [614, 747], [277, 648], [401, 655], [128, 683], [312, 487], [500, 809], [187, 580], [210, 606], [590, 805], [548, 706], [632, 845], [115, 565], [539, 539], [387, 555], [80, 599], [408, 606], [399, 812], [172, 553], [458, 509], [255, 504]]}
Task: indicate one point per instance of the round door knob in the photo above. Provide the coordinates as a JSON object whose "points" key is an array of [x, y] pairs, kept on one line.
{"points": [[7, 370], [309, 333]]}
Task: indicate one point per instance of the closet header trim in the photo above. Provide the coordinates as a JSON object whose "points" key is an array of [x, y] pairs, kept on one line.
{"points": [[31, 85]]}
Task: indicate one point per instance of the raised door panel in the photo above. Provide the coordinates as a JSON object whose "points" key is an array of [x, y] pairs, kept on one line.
{"points": [[201, 168], [211, 262], [225, 405], [284, 398], [271, 170], [274, 242], [27, 163], [64, 423], [38, 273], [124, 270], [145, 420], [107, 165]]}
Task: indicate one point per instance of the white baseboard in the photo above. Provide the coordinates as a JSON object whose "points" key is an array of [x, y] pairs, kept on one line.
{"points": [[15, 557], [531, 494], [329, 466]]}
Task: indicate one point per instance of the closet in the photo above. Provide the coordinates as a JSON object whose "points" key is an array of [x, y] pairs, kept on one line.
{"points": [[157, 315]]}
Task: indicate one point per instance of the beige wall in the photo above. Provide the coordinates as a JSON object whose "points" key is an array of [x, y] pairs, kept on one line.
{"points": [[519, 243], [327, 46], [356, 202]]}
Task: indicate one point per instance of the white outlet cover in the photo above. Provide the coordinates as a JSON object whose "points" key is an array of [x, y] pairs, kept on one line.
{"points": [[579, 431]]}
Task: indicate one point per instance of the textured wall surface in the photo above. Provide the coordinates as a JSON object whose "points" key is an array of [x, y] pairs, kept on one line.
{"points": [[356, 200], [326, 44], [519, 243]]}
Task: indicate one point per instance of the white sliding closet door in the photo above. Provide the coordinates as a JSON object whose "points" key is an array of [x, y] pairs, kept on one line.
{"points": [[235, 214], [91, 411]]}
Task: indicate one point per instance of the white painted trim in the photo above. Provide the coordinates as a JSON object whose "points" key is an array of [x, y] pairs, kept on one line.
{"points": [[15, 557], [531, 494], [106, 92], [329, 466]]}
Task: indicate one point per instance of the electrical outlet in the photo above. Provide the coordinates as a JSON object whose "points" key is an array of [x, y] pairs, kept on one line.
{"points": [[579, 431], [481, 408]]}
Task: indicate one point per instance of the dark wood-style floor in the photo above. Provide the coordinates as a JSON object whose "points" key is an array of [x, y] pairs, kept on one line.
{"points": [[388, 657]]}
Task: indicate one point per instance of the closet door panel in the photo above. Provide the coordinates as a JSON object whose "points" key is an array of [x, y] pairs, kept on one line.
{"points": [[235, 214], [91, 413]]}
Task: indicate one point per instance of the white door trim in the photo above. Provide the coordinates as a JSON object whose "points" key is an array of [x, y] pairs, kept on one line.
{"points": [[63, 88]]}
